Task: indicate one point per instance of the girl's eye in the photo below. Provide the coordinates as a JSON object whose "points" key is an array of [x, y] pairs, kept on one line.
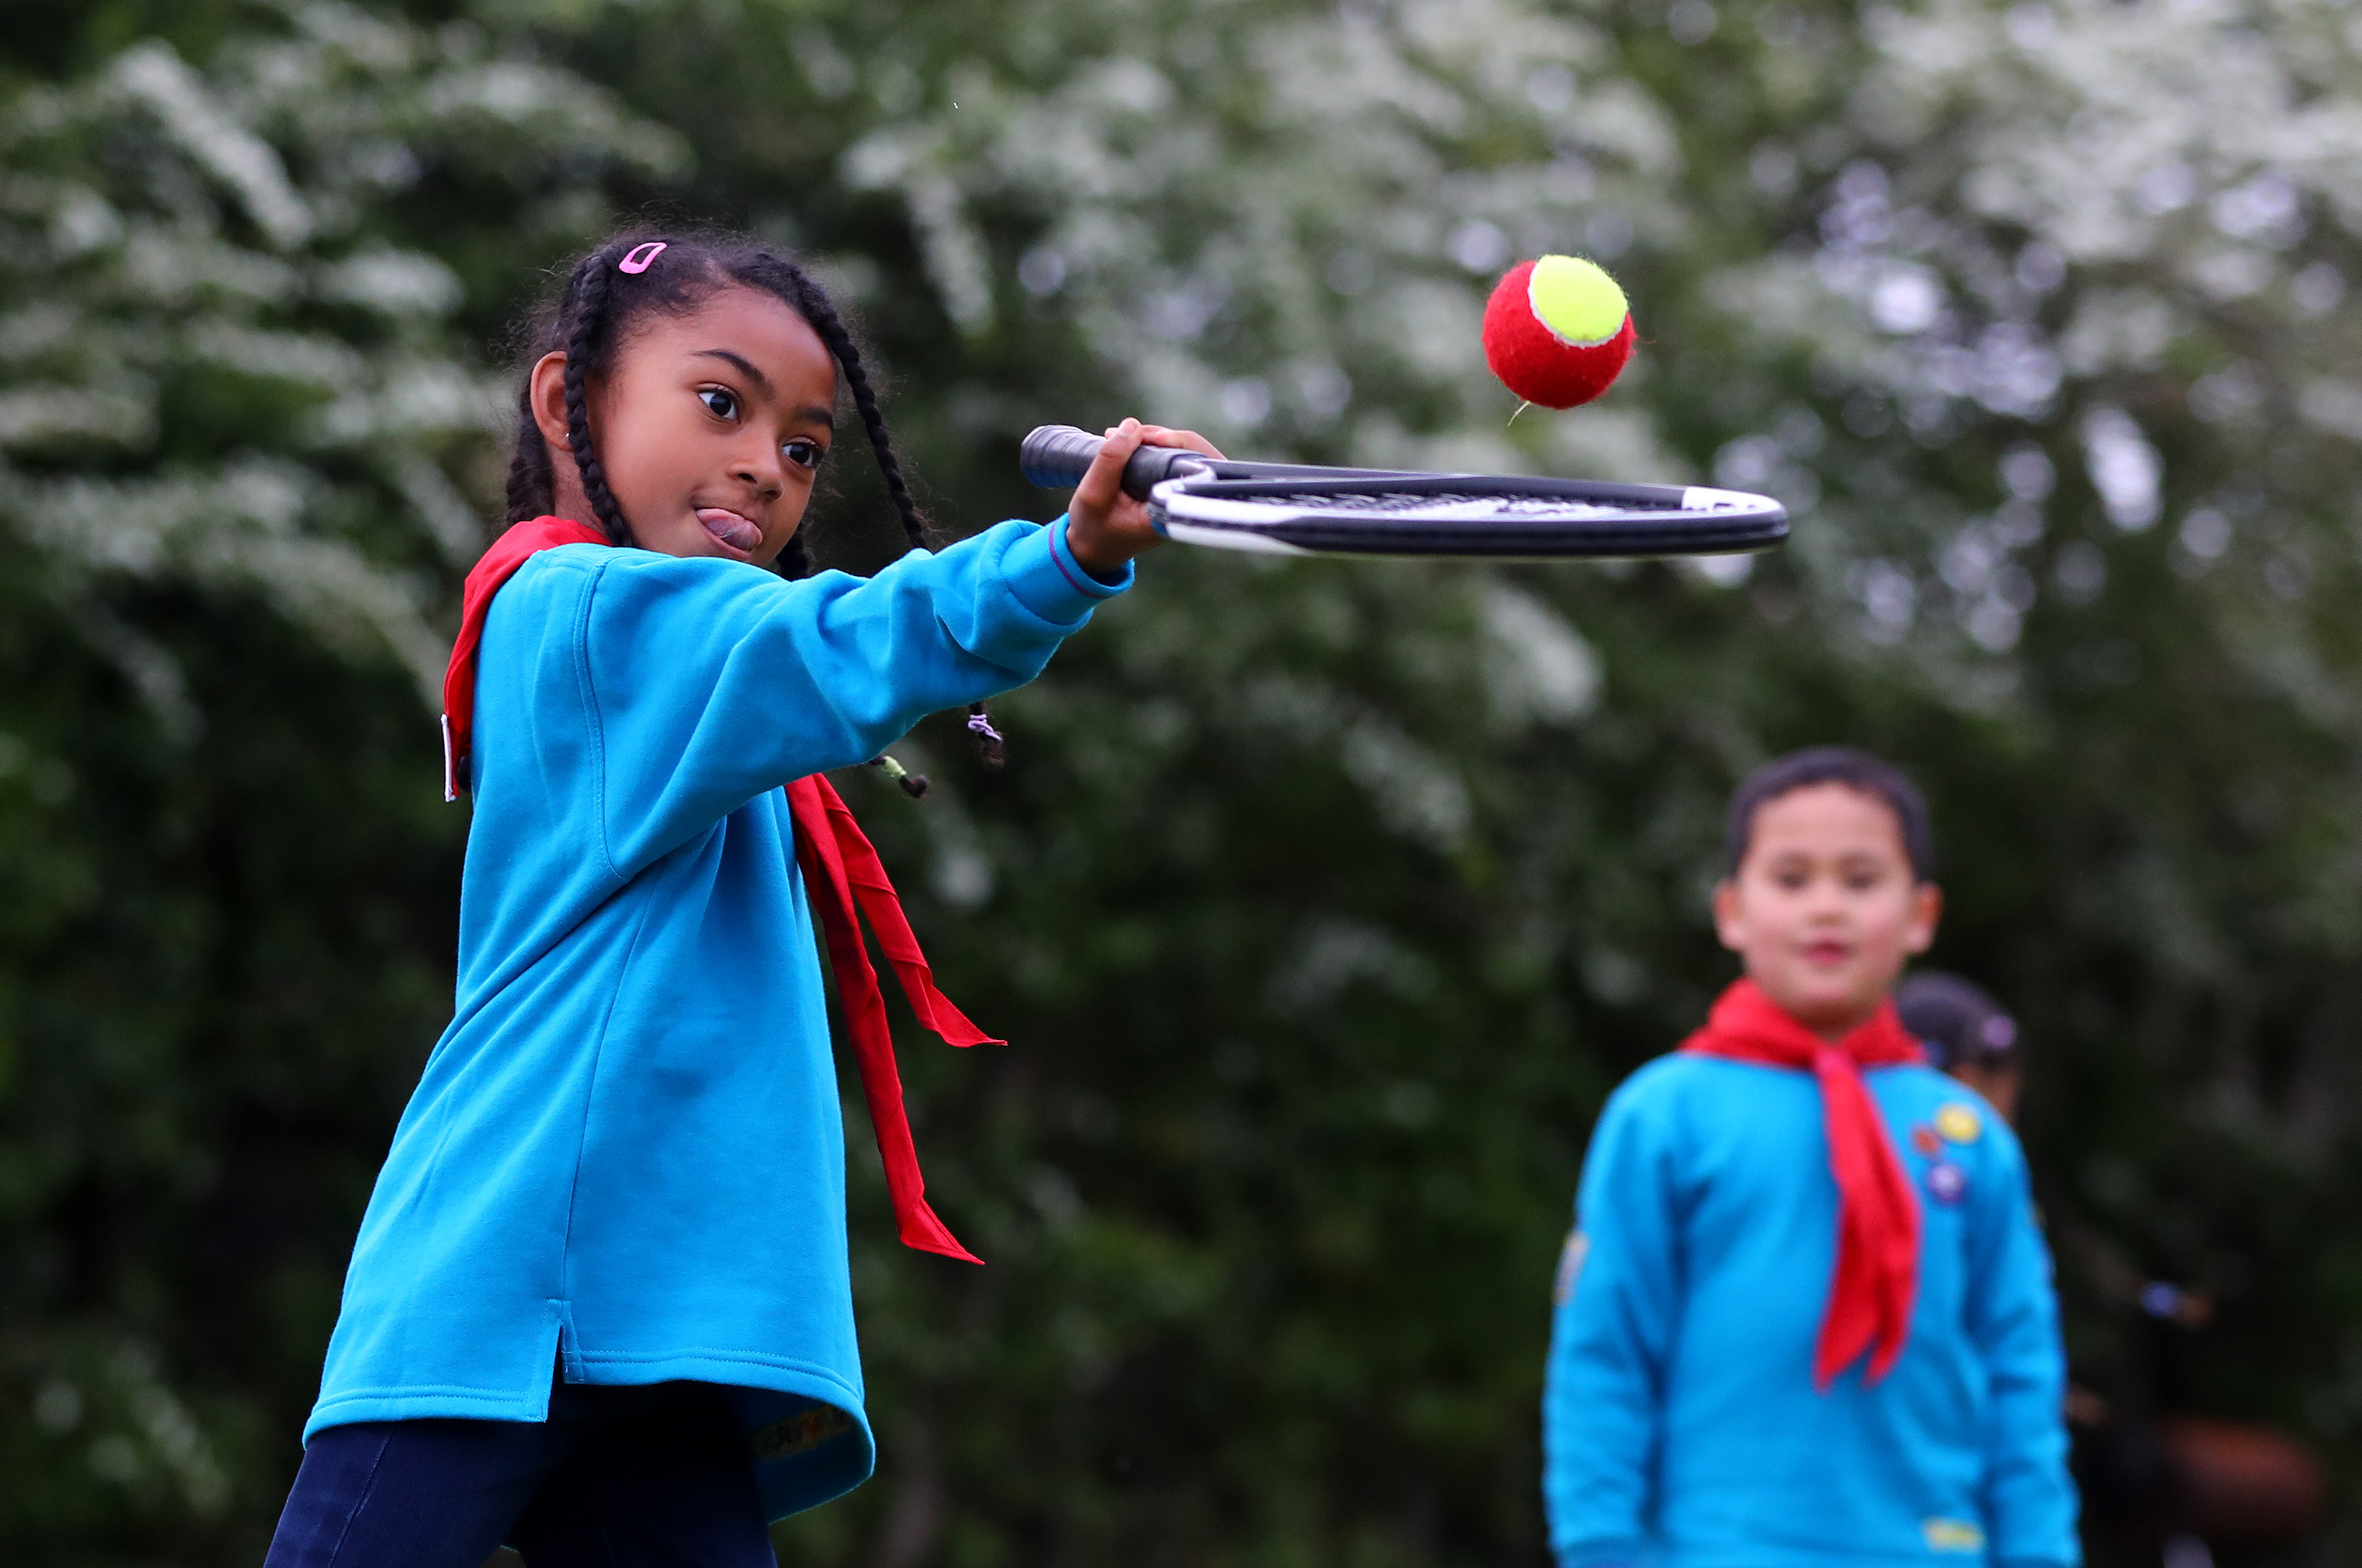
{"points": [[720, 401], [803, 454]]}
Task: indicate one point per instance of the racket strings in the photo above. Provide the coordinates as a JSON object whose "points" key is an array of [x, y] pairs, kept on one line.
{"points": [[1405, 503]]}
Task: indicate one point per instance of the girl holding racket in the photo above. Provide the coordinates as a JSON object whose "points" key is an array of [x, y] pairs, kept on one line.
{"points": [[599, 1305]]}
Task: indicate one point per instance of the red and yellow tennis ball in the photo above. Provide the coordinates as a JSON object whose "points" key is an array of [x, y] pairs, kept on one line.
{"points": [[1557, 331]]}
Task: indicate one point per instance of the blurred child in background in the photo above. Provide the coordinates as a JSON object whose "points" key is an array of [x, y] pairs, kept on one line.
{"points": [[1805, 1317], [1966, 1033], [2162, 1487]]}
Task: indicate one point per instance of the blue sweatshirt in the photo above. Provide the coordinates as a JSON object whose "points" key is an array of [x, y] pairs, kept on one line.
{"points": [[1681, 1424], [626, 1153]]}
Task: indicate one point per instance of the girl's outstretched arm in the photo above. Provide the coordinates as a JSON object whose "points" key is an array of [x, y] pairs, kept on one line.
{"points": [[662, 694]]}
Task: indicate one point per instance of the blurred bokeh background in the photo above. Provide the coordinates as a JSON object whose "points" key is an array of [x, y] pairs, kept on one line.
{"points": [[1322, 903]]}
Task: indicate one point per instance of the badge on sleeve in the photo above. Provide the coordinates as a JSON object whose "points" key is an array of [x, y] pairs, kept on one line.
{"points": [[1959, 1122], [1947, 1182], [1570, 1267], [1952, 1535], [1924, 1139]]}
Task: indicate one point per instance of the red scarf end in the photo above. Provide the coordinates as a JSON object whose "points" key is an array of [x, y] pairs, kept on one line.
{"points": [[827, 837], [921, 1232], [1827, 1367]]}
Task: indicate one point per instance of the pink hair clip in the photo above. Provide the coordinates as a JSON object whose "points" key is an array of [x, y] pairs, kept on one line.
{"points": [[642, 257]]}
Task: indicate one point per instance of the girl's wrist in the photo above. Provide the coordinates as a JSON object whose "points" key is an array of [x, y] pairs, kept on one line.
{"points": [[1093, 550]]}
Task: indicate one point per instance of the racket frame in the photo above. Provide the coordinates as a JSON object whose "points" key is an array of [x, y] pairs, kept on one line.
{"points": [[1222, 510], [1231, 504]]}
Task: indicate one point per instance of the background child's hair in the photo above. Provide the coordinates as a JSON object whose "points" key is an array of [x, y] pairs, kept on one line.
{"points": [[593, 314], [1957, 1020], [1832, 764]]}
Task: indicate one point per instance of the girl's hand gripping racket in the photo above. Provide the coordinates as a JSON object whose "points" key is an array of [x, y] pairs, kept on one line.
{"points": [[1292, 510]]}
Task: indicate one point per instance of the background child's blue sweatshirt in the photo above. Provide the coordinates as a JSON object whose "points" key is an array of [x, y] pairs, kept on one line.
{"points": [[1681, 1424], [626, 1150]]}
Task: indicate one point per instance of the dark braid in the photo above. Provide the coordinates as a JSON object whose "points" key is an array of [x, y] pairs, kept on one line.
{"points": [[817, 310], [573, 327], [588, 288], [531, 483], [598, 302]]}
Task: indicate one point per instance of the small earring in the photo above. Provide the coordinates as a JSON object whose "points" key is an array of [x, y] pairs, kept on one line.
{"points": [[642, 258]]}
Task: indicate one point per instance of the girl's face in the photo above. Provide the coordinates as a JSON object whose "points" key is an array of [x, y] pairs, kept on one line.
{"points": [[1825, 908], [709, 427]]}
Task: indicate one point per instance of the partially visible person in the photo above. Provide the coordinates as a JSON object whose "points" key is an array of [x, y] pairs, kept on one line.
{"points": [[600, 1307], [1966, 1033], [2161, 1486], [1805, 1318]]}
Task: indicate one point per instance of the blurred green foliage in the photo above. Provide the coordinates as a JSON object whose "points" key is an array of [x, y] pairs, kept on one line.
{"points": [[1323, 904]]}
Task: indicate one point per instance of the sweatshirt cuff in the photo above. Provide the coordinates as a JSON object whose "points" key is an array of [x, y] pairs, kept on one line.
{"points": [[1596, 1553], [1047, 579], [1061, 550]]}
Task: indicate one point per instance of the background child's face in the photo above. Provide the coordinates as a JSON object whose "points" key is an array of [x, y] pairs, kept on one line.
{"points": [[711, 426], [1999, 1083], [1824, 909]]}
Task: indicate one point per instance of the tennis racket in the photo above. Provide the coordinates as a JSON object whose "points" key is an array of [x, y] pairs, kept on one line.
{"points": [[1292, 510]]}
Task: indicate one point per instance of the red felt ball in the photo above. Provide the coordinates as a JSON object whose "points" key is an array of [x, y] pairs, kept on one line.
{"points": [[1533, 362]]}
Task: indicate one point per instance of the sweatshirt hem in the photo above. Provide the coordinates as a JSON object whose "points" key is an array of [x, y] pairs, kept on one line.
{"points": [[426, 1401], [618, 1369], [1787, 1555], [788, 1374]]}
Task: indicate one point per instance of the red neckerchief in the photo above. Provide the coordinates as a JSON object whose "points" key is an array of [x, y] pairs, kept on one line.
{"points": [[842, 873], [1877, 1216]]}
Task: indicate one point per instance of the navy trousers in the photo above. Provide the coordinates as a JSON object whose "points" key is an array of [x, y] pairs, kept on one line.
{"points": [[653, 1477]]}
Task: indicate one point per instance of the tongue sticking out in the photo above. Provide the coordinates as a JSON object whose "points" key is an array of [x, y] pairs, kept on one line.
{"points": [[730, 528]]}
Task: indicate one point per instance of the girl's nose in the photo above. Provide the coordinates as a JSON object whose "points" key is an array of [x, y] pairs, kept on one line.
{"points": [[765, 477]]}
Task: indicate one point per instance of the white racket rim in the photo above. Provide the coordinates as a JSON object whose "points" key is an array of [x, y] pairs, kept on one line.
{"points": [[1693, 520]]}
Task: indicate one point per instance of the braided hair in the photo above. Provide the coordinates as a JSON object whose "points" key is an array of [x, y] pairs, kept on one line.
{"points": [[673, 273]]}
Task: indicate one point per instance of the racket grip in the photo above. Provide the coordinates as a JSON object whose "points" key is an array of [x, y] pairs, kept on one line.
{"points": [[1055, 457]]}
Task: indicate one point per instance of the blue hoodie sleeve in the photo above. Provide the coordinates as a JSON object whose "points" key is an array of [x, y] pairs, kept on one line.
{"points": [[709, 682], [2013, 1321], [1603, 1399]]}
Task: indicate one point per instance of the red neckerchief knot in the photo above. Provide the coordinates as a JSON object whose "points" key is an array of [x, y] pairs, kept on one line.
{"points": [[842, 873], [1878, 1215]]}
